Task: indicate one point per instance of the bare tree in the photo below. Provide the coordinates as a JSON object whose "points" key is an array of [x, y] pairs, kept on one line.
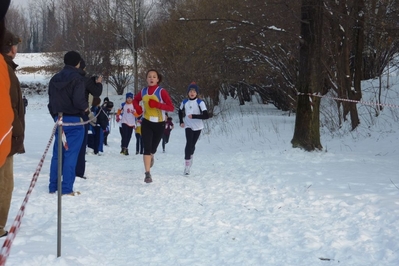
{"points": [[121, 75], [131, 18], [18, 25]]}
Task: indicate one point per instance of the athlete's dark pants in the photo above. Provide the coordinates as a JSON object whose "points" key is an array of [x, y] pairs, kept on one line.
{"points": [[165, 140], [139, 143], [151, 133], [191, 139], [121, 132], [126, 135]]}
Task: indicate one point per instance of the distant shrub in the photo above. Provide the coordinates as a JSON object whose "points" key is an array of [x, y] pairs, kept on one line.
{"points": [[50, 70], [33, 88]]}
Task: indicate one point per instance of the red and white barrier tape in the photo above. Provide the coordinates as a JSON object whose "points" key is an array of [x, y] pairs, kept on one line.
{"points": [[349, 100], [5, 250]]}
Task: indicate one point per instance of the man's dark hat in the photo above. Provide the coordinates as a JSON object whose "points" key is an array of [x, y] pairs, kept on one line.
{"points": [[72, 58], [110, 105], [4, 4]]}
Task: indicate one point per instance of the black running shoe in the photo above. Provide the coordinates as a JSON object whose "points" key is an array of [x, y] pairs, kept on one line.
{"points": [[147, 178]]}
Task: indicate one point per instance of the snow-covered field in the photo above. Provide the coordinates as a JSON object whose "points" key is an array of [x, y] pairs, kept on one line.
{"points": [[251, 199]]}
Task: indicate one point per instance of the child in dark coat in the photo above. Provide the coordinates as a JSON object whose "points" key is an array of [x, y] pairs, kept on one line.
{"points": [[94, 139], [166, 133]]}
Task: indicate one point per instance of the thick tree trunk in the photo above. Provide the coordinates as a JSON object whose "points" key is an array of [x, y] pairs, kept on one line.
{"points": [[307, 123]]}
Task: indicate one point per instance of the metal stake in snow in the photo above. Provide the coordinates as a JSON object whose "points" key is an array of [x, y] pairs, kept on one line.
{"points": [[60, 133]]}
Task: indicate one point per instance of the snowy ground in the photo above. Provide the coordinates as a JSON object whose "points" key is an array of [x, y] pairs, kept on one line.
{"points": [[251, 199]]}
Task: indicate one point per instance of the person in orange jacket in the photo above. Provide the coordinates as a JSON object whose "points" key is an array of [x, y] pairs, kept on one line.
{"points": [[9, 48], [7, 114]]}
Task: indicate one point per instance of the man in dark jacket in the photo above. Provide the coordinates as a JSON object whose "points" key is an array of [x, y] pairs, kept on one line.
{"points": [[67, 98], [93, 87], [9, 48]]}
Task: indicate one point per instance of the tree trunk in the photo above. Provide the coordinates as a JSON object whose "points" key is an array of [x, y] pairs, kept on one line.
{"points": [[358, 46], [307, 123]]}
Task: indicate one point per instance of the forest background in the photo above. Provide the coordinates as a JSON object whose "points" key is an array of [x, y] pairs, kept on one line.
{"points": [[290, 53]]}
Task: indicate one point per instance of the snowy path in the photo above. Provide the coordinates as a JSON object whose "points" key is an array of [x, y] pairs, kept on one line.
{"points": [[243, 204]]}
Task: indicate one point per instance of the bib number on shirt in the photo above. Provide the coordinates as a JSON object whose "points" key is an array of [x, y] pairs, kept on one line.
{"points": [[154, 119]]}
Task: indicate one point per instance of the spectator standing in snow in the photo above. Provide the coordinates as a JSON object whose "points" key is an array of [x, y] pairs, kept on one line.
{"points": [[97, 129], [107, 107], [64, 86], [166, 133], [9, 48], [6, 117], [127, 117], [191, 113], [25, 103], [156, 101], [93, 87]]}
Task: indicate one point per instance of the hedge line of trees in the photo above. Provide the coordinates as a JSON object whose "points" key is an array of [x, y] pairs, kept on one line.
{"points": [[228, 47]]}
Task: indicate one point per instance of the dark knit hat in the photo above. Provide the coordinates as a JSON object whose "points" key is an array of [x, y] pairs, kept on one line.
{"points": [[82, 64], [129, 95], [110, 105], [192, 86], [4, 4], [10, 39], [106, 99], [72, 58]]}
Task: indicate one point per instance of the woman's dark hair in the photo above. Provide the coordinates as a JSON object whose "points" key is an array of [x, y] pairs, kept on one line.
{"points": [[2, 30], [159, 75]]}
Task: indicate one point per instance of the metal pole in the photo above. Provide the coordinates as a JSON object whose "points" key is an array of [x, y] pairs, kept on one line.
{"points": [[388, 76], [59, 186]]}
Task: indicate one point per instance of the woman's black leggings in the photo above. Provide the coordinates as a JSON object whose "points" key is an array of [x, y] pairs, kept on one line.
{"points": [[126, 135], [152, 134], [191, 139]]}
